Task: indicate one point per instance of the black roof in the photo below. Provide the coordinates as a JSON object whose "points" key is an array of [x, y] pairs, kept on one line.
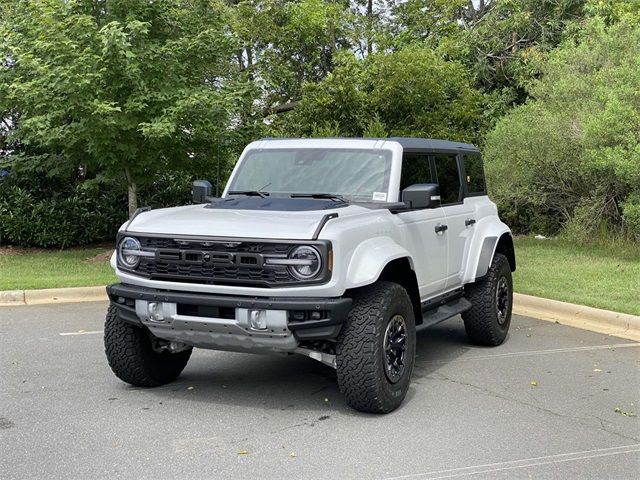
{"points": [[408, 143], [431, 144]]}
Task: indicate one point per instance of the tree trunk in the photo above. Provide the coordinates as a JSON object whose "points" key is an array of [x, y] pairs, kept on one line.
{"points": [[132, 191], [370, 26]]}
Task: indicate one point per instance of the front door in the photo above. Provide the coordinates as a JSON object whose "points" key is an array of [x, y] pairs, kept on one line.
{"points": [[430, 249]]}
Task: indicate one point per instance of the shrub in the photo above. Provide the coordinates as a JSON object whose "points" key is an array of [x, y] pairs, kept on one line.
{"points": [[81, 218], [40, 210], [631, 215], [573, 151]]}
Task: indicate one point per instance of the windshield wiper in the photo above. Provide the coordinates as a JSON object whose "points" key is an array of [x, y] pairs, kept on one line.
{"points": [[249, 193], [330, 196]]}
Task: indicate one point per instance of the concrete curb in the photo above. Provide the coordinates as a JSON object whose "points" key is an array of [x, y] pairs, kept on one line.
{"points": [[52, 295], [578, 316]]}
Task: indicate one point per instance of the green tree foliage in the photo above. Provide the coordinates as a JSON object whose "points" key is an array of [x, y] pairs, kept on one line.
{"points": [[283, 43], [500, 41], [122, 99], [504, 40], [436, 23], [571, 155], [412, 92], [124, 86]]}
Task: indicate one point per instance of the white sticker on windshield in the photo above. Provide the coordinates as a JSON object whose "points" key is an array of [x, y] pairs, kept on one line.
{"points": [[380, 196]]}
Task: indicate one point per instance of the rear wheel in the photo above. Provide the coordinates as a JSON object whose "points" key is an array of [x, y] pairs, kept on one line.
{"points": [[138, 357], [376, 349], [487, 321]]}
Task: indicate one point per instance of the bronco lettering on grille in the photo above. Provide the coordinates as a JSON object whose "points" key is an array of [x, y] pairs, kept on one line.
{"points": [[250, 260]]}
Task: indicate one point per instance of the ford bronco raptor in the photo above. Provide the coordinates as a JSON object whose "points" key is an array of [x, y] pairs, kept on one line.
{"points": [[338, 249]]}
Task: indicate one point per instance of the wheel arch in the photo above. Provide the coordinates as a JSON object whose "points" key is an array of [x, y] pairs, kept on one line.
{"points": [[490, 247], [491, 237], [369, 259], [400, 271], [506, 247]]}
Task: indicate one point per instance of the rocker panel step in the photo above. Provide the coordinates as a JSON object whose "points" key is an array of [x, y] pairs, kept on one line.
{"points": [[434, 316]]}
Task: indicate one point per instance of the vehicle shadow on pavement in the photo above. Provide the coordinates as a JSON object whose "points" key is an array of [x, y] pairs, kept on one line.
{"points": [[294, 382], [438, 345]]}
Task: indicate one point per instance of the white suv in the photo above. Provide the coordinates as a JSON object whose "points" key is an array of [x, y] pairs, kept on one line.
{"points": [[338, 249]]}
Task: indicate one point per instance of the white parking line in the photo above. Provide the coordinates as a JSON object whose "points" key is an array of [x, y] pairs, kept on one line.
{"points": [[81, 332], [524, 463], [528, 353]]}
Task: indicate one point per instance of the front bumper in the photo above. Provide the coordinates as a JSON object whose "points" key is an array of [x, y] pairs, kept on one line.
{"points": [[223, 322]]}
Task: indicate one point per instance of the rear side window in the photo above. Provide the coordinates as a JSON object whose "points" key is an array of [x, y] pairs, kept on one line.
{"points": [[474, 174], [448, 178], [415, 169]]}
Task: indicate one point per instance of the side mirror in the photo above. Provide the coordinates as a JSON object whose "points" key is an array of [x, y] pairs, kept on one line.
{"points": [[421, 195], [201, 191]]}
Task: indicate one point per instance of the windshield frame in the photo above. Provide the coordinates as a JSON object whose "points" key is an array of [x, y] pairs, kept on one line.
{"points": [[388, 176]]}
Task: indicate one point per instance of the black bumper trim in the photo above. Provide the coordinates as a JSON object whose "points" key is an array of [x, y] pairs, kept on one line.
{"points": [[336, 308]]}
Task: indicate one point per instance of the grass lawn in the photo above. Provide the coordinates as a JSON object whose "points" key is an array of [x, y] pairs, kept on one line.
{"points": [[599, 276], [35, 268]]}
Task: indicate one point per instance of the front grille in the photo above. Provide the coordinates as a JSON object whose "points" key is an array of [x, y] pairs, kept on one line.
{"points": [[228, 262], [213, 274]]}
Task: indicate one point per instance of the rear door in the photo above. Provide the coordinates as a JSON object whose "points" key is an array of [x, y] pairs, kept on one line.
{"points": [[458, 215]]}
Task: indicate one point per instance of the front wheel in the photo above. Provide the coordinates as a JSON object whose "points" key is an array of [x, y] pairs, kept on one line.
{"points": [[376, 349], [487, 321], [137, 357]]}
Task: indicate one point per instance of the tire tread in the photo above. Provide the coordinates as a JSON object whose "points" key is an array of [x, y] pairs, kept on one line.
{"points": [[130, 358], [357, 360], [479, 321]]}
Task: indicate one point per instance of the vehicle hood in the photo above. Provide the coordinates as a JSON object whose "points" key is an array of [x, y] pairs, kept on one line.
{"points": [[202, 220]]}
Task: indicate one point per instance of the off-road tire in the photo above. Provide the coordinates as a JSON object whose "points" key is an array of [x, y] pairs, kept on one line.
{"points": [[131, 357], [360, 354], [481, 320]]}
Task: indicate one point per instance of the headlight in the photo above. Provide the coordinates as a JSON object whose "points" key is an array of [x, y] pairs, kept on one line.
{"points": [[129, 252], [305, 262]]}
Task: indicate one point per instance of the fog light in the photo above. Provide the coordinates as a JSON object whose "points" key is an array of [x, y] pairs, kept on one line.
{"points": [[299, 315], [155, 311], [258, 319], [316, 315]]}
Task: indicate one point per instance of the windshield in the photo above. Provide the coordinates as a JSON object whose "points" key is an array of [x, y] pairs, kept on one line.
{"points": [[354, 174]]}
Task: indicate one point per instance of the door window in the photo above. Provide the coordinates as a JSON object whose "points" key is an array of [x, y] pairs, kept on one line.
{"points": [[448, 178], [474, 174], [415, 169]]}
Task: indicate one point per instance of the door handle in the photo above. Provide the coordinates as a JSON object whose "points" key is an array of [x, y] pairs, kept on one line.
{"points": [[440, 228], [469, 221]]}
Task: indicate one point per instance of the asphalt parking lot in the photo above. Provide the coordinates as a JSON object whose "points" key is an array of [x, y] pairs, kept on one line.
{"points": [[552, 402]]}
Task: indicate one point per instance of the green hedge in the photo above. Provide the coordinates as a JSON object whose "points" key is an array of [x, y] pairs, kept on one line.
{"points": [[31, 215], [81, 218]]}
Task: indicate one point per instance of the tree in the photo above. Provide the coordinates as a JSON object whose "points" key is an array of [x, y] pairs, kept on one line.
{"points": [[433, 23], [284, 44], [572, 153], [408, 92], [503, 40], [125, 86], [500, 41]]}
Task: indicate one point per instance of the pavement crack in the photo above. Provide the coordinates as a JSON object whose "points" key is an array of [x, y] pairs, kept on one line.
{"points": [[284, 429], [538, 408]]}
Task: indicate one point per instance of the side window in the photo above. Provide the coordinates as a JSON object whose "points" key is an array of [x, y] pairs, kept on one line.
{"points": [[448, 178], [474, 174], [415, 169]]}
